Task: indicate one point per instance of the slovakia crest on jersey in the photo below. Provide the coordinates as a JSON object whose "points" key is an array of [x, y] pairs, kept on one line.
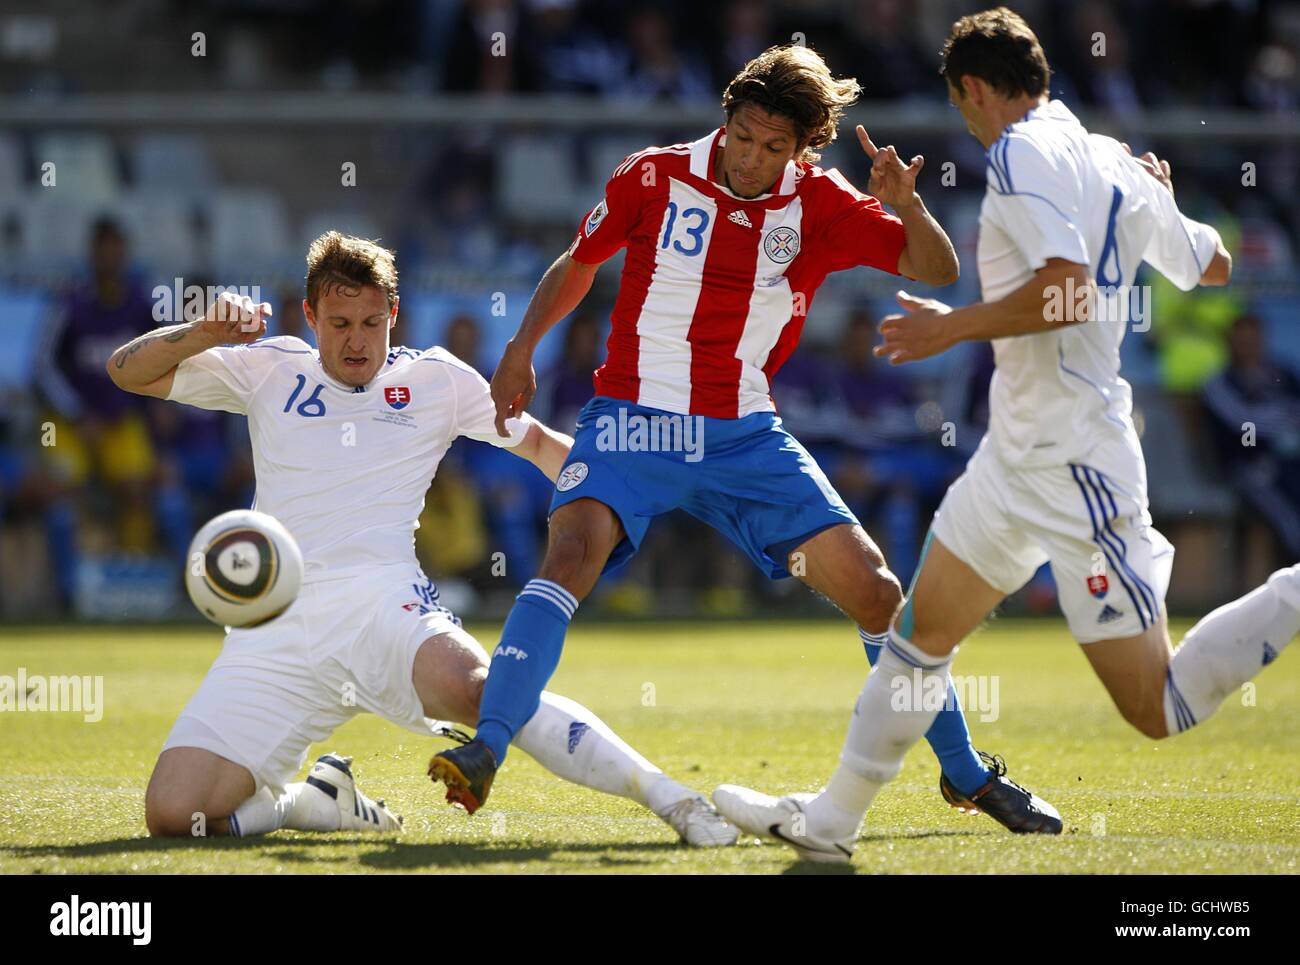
{"points": [[397, 396], [1098, 585]]}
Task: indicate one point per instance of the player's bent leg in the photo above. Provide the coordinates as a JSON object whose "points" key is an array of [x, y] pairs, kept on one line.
{"points": [[845, 565], [583, 534], [1162, 694], [448, 673], [193, 792], [881, 731], [1134, 671], [947, 603], [948, 600], [564, 737]]}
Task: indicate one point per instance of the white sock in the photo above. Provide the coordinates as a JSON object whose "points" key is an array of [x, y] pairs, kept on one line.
{"points": [[1228, 647], [893, 712], [573, 743], [265, 812]]}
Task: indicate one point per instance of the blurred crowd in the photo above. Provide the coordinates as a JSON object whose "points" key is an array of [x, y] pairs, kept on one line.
{"points": [[100, 489], [1210, 52]]}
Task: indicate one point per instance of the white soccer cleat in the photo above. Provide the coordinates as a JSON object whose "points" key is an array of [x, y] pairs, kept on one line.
{"points": [[698, 823], [332, 775], [780, 819]]}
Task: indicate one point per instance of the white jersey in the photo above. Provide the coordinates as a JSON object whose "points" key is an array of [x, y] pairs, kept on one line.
{"points": [[345, 470], [1057, 191]]}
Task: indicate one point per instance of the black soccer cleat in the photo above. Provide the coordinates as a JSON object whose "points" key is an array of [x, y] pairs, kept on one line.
{"points": [[1006, 802], [467, 771]]}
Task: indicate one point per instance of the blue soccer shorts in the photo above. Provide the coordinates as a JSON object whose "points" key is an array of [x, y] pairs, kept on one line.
{"points": [[747, 478]]}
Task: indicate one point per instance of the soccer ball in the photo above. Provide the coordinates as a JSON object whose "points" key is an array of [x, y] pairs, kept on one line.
{"points": [[244, 569]]}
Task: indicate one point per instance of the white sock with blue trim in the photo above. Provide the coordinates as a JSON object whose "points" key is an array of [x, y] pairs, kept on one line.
{"points": [[898, 704], [573, 743], [265, 812], [1228, 647]]}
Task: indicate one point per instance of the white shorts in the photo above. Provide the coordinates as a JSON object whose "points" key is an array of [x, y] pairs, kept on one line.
{"points": [[345, 646], [1090, 521]]}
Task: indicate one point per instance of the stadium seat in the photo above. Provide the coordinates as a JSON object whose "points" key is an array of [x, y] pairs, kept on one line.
{"points": [[161, 232], [249, 233], [176, 164], [535, 180], [55, 231], [85, 165], [603, 156], [26, 310]]}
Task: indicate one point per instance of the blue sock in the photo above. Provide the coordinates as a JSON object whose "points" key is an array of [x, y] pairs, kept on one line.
{"points": [[948, 736], [523, 662]]}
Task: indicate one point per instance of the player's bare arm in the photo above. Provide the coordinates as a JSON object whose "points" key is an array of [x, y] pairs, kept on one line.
{"points": [[545, 448], [928, 327], [1219, 271], [560, 291], [929, 256], [147, 365]]}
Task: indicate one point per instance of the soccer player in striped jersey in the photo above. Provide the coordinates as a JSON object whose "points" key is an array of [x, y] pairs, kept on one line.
{"points": [[1067, 218], [727, 240]]}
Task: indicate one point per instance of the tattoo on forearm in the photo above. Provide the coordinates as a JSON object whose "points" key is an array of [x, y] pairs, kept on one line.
{"points": [[143, 340]]}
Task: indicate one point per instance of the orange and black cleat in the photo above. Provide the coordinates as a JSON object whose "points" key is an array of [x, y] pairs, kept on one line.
{"points": [[1015, 808], [467, 771]]}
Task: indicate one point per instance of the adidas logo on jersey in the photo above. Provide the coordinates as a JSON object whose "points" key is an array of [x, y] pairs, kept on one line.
{"points": [[740, 218], [1109, 613]]}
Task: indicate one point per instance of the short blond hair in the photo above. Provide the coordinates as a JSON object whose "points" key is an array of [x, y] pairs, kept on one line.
{"points": [[337, 260], [794, 81]]}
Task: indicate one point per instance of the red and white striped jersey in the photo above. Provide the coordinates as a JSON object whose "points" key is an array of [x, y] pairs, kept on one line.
{"points": [[716, 287]]}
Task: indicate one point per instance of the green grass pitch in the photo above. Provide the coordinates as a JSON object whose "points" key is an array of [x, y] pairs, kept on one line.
{"points": [[763, 704]]}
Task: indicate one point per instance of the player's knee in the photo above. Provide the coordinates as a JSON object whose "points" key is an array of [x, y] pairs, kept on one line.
{"points": [[576, 552], [169, 818], [1149, 722], [879, 599]]}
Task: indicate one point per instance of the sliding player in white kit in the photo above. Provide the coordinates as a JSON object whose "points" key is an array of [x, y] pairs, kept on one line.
{"points": [[346, 440], [1059, 478]]}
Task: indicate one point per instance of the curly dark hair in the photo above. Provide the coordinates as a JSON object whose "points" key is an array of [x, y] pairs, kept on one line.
{"points": [[794, 81]]}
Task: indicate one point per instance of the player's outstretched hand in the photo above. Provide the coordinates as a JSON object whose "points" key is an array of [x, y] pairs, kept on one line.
{"points": [[514, 384], [891, 181], [235, 320], [1154, 166], [918, 334]]}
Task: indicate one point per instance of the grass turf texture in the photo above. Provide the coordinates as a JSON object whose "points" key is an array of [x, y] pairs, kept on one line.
{"points": [[763, 704]]}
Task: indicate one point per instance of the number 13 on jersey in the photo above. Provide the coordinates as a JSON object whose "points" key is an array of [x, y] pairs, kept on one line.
{"points": [[695, 232]]}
